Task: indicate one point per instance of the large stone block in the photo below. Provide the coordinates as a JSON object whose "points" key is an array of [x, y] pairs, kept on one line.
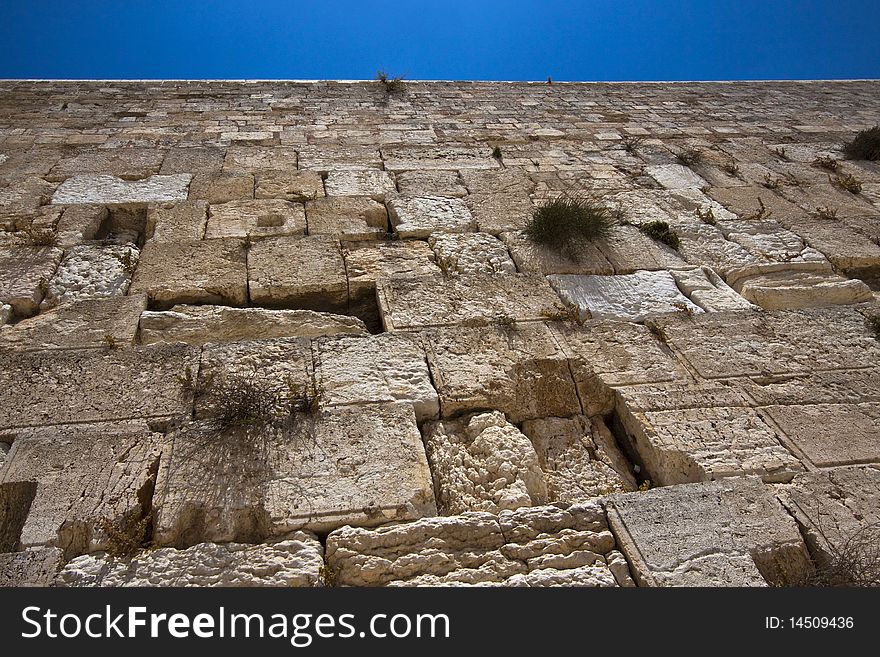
{"points": [[726, 533], [93, 385], [91, 271], [406, 158], [499, 199], [255, 219], [89, 478], [565, 545], [347, 217], [126, 163], [201, 324], [628, 249], [313, 276], [471, 253], [585, 258], [789, 290], [196, 159], [222, 187], [370, 182], [419, 216], [347, 466], [522, 372], [296, 561], [108, 190], [177, 222], [430, 183], [250, 159], [381, 368], [675, 176], [289, 185], [24, 274], [474, 299], [209, 271], [325, 159]]}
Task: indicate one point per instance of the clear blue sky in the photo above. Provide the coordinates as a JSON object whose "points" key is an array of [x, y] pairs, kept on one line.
{"points": [[441, 39]]}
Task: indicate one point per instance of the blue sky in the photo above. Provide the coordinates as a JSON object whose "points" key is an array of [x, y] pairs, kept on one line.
{"points": [[441, 39]]}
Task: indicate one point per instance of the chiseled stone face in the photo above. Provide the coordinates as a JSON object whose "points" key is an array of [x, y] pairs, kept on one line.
{"points": [[347, 217], [260, 218], [419, 216]]}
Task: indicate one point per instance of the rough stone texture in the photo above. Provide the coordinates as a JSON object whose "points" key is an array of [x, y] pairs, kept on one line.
{"points": [[579, 458], [222, 187], [348, 217], [419, 216], [632, 297], [296, 561], [343, 467], [210, 271], [521, 371], [262, 218], [109, 322], [108, 190], [201, 324], [628, 249], [483, 463], [707, 289], [289, 185], [86, 475], [257, 158], [176, 222], [131, 163], [539, 546], [414, 303], [675, 176], [372, 183], [5, 313], [471, 253], [313, 277], [802, 289], [63, 386], [727, 533], [91, 271], [428, 158], [366, 263], [499, 200], [80, 223], [430, 183], [584, 258], [24, 273], [33, 567], [381, 368]]}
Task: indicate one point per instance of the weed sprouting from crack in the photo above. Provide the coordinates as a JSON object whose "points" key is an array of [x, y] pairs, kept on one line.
{"points": [[568, 221], [661, 231], [847, 183], [760, 213]]}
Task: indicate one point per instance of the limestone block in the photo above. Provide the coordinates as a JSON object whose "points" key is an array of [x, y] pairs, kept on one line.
{"points": [[200, 324], [325, 159], [369, 182], [500, 212], [802, 289], [108, 190], [700, 444], [91, 271], [347, 466], [255, 219], [268, 370], [537, 546], [847, 248], [731, 532], [769, 240], [222, 187], [250, 159], [675, 176], [406, 158], [831, 434], [80, 223], [93, 385], [706, 289], [579, 458], [604, 355], [289, 185], [379, 368], [746, 203], [195, 160], [25, 196], [704, 245], [209, 271], [313, 276], [367, 262], [102, 322], [32, 567], [24, 273], [831, 387], [430, 183], [296, 561], [471, 253], [632, 297], [482, 462], [586, 258], [628, 249], [521, 372], [835, 507], [812, 197], [86, 475], [472, 299], [348, 217], [126, 163], [177, 222], [419, 216]]}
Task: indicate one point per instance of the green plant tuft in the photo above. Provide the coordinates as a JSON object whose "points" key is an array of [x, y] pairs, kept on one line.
{"points": [[865, 146], [567, 221], [661, 232], [848, 183], [391, 84], [496, 152]]}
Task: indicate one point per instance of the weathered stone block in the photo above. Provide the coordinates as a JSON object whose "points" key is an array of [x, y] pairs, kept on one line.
{"points": [[419, 216], [430, 183], [193, 160], [222, 187], [126, 163], [628, 249], [209, 271], [250, 159], [91, 271], [289, 185], [585, 258], [313, 276], [33, 567], [255, 219], [348, 466], [789, 290], [296, 561], [471, 253], [24, 274], [348, 217], [372, 183], [724, 533], [407, 158], [108, 190], [675, 176], [177, 222], [706, 289], [80, 223]]}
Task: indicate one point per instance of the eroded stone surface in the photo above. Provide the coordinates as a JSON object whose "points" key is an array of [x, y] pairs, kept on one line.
{"points": [[471, 253], [176, 222], [289, 185], [32, 567], [419, 216], [24, 274], [91, 271], [347, 217], [260, 218], [108, 190], [372, 183]]}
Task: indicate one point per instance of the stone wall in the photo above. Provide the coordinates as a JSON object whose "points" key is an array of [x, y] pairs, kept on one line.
{"points": [[293, 334]]}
